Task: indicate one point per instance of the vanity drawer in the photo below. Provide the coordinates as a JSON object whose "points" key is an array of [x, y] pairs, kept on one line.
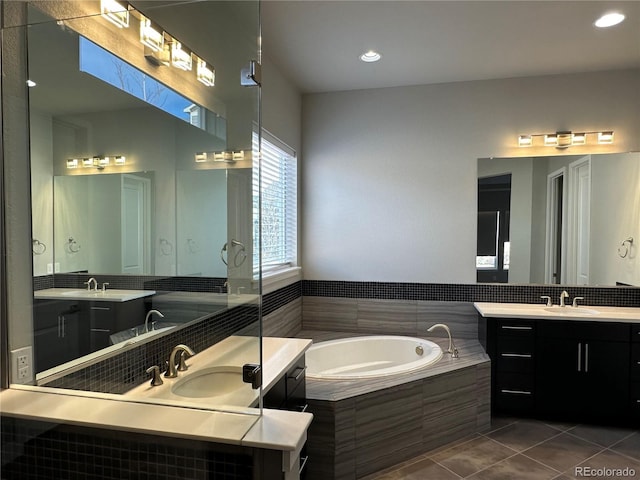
{"points": [[515, 362], [604, 331], [515, 327], [635, 361], [635, 332], [635, 402], [514, 393]]}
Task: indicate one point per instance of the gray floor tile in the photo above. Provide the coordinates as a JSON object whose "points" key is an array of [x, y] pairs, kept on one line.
{"points": [[562, 452], [516, 467], [523, 434], [605, 436], [472, 456], [630, 446], [420, 470]]}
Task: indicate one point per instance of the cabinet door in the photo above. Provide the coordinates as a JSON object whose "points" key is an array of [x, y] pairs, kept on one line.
{"points": [[606, 370], [582, 379], [59, 334], [557, 377]]}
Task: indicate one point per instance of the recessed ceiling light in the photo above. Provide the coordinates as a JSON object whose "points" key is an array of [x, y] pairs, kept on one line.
{"points": [[370, 56], [609, 20]]}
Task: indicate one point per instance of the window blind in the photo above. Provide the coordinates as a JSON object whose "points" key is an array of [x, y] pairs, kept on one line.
{"points": [[277, 186]]}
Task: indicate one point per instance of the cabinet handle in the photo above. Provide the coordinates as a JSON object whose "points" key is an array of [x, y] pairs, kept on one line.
{"points": [[304, 464], [100, 308], [586, 358], [517, 355], [579, 357], [100, 330], [516, 392], [59, 326], [297, 376], [511, 327]]}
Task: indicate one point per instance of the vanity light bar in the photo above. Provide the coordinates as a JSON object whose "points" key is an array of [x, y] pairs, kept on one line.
{"points": [[98, 162], [116, 12], [160, 48], [566, 139], [223, 156]]}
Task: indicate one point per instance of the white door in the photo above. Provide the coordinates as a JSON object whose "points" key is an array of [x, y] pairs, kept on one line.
{"points": [[135, 218], [555, 232], [578, 223]]}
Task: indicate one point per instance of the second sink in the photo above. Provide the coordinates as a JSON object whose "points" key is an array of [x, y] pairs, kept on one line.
{"points": [[572, 311]]}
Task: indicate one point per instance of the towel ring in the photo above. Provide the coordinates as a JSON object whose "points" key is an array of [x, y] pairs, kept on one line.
{"points": [[242, 251], [38, 247], [166, 248], [623, 249], [73, 246]]}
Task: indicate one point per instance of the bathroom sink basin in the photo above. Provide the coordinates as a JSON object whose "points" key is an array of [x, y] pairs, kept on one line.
{"points": [[572, 311], [107, 295], [210, 382]]}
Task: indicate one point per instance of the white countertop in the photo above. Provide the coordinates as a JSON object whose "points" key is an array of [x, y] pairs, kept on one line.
{"points": [[274, 429], [583, 312], [113, 295]]}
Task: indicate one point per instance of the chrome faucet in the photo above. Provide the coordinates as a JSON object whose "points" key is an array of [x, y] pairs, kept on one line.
{"points": [[172, 371], [89, 282], [452, 348], [563, 295], [146, 319]]}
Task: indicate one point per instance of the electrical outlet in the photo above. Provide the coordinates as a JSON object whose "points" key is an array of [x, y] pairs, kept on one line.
{"points": [[49, 267], [22, 365]]}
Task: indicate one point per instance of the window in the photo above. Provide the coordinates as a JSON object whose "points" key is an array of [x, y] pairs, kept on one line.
{"points": [[278, 188]]}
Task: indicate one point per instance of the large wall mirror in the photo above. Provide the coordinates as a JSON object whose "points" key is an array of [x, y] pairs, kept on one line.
{"points": [[141, 170], [569, 220]]}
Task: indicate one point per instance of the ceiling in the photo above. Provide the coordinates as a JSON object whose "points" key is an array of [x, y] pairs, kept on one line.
{"points": [[316, 43]]}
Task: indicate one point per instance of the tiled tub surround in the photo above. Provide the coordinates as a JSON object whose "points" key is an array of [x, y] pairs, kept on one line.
{"points": [[364, 425]]}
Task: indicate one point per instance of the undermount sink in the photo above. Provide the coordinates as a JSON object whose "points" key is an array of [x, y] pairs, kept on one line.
{"points": [[210, 382], [572, 311]]}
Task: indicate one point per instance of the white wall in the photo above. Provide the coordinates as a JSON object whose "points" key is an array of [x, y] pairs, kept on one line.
{"points": [[615, 216], [389, 180]]}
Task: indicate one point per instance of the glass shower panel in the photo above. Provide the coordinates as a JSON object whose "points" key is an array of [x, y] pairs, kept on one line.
{"points": [[138, 128]]}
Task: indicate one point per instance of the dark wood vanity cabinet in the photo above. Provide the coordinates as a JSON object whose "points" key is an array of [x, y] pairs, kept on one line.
{"points": [[582, 370], [635, 374], [67, 329], [568, 370], [59, 334], [107, 318], [289, 392]]}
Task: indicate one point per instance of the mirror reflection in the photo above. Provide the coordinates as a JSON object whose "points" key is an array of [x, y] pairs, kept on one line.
{"points": [[120, 199], [104, 223], [559, 220]]}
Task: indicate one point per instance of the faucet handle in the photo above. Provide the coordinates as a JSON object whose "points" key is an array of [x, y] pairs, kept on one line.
{"points": [[104, 286], [156, 379], [549, 304], [575, 301]]}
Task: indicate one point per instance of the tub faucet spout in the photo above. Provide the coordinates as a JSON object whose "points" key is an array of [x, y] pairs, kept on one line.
{"points": [[146, 319], [452, 348]]}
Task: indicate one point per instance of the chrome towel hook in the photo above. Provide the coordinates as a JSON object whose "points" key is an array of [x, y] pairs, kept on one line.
{"points": [[623, 249]]}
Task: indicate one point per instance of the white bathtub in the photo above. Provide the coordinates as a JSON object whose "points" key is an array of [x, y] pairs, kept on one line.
{"points": [[372, 356]]}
